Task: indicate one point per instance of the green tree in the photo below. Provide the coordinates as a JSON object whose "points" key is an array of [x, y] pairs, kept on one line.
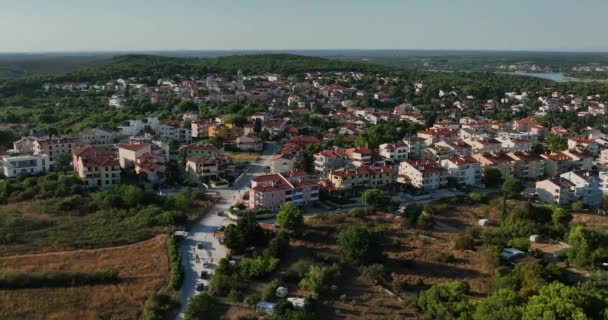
{"points": [[375, 198], [510, 187], [555, 142], [359, 244], [246, 232], [63, 162], [503, 304], [492, 177], [556, 301], [445, 301], [290, 218], [202, 307]]}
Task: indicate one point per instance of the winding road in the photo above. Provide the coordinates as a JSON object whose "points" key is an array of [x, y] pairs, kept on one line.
{"points": [[202, 232]]}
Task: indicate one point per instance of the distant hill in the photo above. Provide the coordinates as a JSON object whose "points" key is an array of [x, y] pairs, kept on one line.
{"points": [[19, 65]]}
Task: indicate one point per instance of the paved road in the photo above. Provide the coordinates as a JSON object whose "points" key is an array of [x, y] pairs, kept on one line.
{"points": [[202, 232]]}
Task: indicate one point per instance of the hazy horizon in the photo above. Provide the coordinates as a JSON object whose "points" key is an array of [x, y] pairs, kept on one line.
{"points": [[34, 26]]}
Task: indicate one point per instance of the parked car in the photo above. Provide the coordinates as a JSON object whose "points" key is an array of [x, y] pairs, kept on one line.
{"points": [[204, 275], [339, 210], [201, 287], [220, 214], [206, 264], [200, 246]]}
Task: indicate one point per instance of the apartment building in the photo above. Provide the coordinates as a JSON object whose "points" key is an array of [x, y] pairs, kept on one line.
{"points": [[329, 160], [192, 150], [283, 162], [415, 146], [97, 166], [96, 136], [528, 165], [500, 161], [128, 153], [13, 166], [431, 136], [394, 152], [484, 145], [423, 174], [271, 191], [54, 147], [569, 187], [173, 131], [206, 167], [359, 156], [151, 167], [466, 170], [445, 150], [363, 177]]}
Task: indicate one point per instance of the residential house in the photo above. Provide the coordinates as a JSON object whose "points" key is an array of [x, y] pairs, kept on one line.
{"points": [[128, 153], [583, 144], [55, 147], [271, 191], [207, 167], [580, 185], [394, 152], [150, 166], [528, 165], [192, 150], [499, 161], [359, 156], [97, 136], [431, 136], [174, 131], [329, 160], [349, 179], [13, 166], [283, 162], [465, 170], [97, 166], [415, 146], [249, 142], [423, 174]]}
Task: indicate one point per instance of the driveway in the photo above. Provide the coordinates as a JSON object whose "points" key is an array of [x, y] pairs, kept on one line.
{"points": [[202, 233]]}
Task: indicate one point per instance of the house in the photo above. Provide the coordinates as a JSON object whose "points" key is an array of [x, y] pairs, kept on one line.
{"points": [[423, 174], [225, 131], [329, 160], [150, 166], [13, 166], [583, 144], [200, 128], [499, 161], [97, 166], [516, 145], [249, 142], [282, 162], [136, 127], [54, 147], [97, 136], [354, 178], [303, 140], [128, 153], [569, 187], [117, 100], [174, 131], [207, 167], [415, 146], [445, 150], [465, 170], [394, 152], [431, 136], [484, 145], [524, 125], [359, 156], [271, 191], [528, 165]]}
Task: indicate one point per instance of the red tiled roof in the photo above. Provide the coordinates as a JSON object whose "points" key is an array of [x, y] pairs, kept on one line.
{"points": [[134, 147]]}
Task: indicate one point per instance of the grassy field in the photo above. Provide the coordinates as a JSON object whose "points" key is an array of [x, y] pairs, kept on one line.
{"points": [[143, 266], [243, 156]]}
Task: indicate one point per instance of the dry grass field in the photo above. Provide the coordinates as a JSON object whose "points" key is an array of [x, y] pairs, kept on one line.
{"points": [[143, 266]]}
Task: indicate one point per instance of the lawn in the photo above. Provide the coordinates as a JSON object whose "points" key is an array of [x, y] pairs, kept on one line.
{"points": [[143, 266]]}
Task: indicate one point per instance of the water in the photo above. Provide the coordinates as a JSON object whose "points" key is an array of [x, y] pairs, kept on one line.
{"points": [[555, 76]]}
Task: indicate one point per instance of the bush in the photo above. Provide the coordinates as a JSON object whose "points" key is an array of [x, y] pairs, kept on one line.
{"points": [[374, 272], [445, 257], [464, 242], [577, 205], [23, 280], [176, 276], [202, 306], [269, 290], [520, 243], [257, 267], [298, 270], [234, 296], [357, 212], [359, 244], [252, 300], [321, 279]]}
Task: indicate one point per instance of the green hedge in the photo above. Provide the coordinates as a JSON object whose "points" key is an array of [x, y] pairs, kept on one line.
{"points": [[176, 277], [23, 280]]}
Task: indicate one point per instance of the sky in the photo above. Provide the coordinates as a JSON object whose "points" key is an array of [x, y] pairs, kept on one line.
{"points": [[123, 25]]}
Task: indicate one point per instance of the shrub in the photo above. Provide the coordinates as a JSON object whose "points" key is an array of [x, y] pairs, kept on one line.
{"points": [[252, 299], [321, 279], [298, 270], [257, 267], [464, 242], [234, 296], [445, 257], [176, 276], [357, 212], [374, 272], [520, 243], [269, 290]]}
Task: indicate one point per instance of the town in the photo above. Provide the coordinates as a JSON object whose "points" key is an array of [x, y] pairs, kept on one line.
{"points": [[267, 191]]}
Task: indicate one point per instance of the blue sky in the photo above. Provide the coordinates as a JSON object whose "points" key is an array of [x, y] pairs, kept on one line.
{"points": [[85, 25]]}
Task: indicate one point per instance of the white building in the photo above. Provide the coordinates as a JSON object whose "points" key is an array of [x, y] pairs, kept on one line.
{"points": [[117, 100], [174, 132], [13, 166], [393, 151], [466, 170], [569, 187], [97, 136], [423, 174]]}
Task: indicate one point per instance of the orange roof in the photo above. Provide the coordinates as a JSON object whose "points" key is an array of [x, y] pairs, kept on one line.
{"points": [[134, 147]]}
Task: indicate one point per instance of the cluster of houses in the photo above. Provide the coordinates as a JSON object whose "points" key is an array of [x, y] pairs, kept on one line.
{"points": [[457, 150]]}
